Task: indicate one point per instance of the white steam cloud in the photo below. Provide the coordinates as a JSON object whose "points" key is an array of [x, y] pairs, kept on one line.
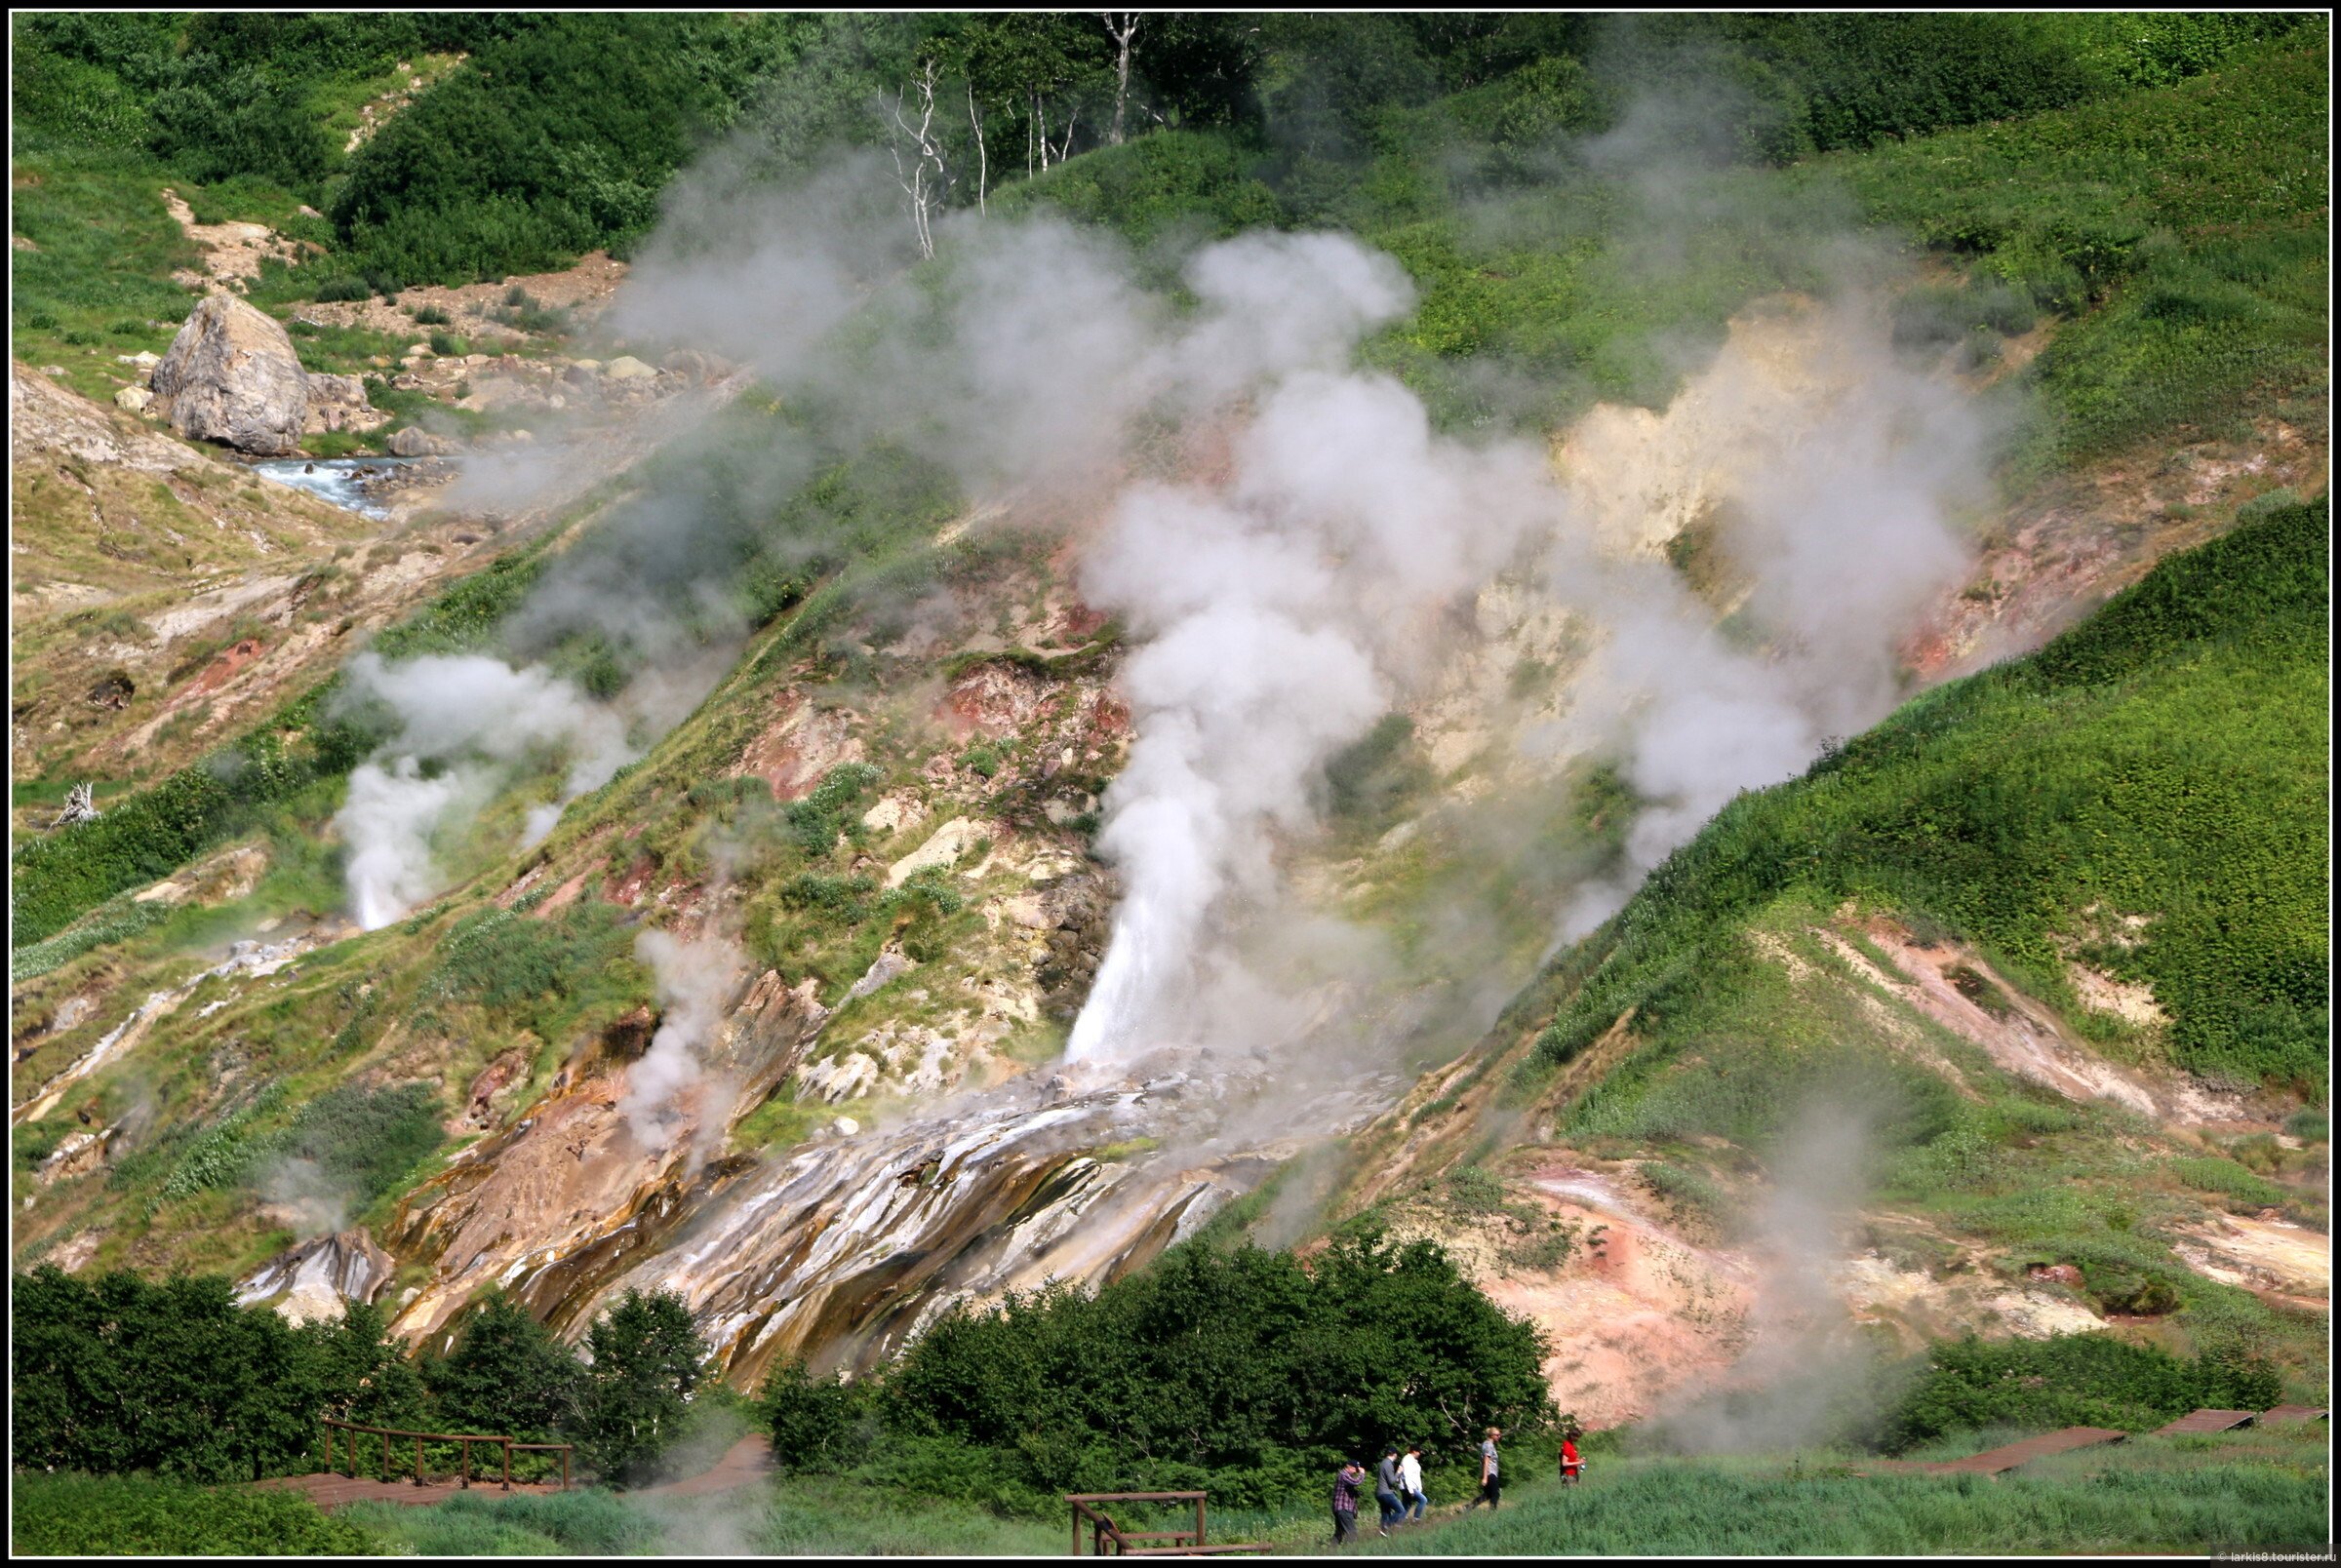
{"points": [[478, 720], [694, 981], [1310, 583]]}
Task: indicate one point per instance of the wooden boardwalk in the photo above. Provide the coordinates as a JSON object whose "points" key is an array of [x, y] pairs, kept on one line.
{"points": [[1999, 1461], [2282, 1414], [332, 1491], [2209, 1421]]}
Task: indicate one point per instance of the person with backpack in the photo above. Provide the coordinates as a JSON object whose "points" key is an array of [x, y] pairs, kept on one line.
{"points": [[1385, 1487], [1409, 1483], [1348, 1482]]}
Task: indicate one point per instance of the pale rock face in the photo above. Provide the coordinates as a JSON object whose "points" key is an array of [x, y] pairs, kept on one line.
{"points": [[310, 1282], [231, 377], [413, 443]]}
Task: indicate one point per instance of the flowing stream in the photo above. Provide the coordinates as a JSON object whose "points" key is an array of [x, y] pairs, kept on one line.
{"points": [[362, 484]]}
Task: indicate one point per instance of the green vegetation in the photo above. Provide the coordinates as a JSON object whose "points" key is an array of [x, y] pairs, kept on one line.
{"points": [[2072, 1380], [2150, 1494], [114, 1374], [1204, 1371], [65, 1514], [2192, 216], [2007, 804], [637, 1395]]}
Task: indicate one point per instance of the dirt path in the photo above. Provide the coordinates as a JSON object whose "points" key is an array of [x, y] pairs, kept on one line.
{"points": [[745, 1462]]}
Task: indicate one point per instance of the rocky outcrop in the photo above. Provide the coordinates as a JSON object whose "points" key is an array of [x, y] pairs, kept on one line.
{"points": [[313, 1279], [231, 377], [339, 403], [414, 442]]}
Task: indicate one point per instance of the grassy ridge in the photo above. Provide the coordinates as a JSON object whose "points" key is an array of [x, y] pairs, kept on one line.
{"points": [[2165, 759]]}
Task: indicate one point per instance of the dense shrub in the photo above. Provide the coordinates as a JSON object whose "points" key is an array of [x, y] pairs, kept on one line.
{"points": [[549, 144], [1243, 1373], [2070, 1379], [117, 1374], [812, 1420], [81, 1516]]}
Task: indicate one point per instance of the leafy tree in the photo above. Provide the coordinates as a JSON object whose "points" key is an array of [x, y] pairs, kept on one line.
{"points": [[646, 1365], [506, 1373], [1242, 1372], [365, 1374], [811, 1418], [120, 1375]]}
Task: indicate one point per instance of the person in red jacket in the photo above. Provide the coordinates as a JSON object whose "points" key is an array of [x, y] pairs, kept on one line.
{"points": [[1573, 1469]]}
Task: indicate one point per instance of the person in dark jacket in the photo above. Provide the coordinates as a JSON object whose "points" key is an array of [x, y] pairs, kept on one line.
{"points": [[1385, 1488], [1348, 1483]]}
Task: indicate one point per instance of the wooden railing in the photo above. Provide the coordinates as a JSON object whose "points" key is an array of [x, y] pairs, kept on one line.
{"points": [[503, 1444], [1108, 1539]]}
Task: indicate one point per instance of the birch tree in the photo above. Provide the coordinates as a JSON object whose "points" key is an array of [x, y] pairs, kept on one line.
{"points": [[922, 168], [1124, 35]]}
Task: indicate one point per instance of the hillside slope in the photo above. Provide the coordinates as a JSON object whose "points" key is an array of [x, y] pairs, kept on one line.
{"points": [[2029, 965], [771, 1008]]}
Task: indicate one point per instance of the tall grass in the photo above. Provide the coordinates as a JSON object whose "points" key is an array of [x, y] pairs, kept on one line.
{"points": [[1749, 1507], [65, 1514]]}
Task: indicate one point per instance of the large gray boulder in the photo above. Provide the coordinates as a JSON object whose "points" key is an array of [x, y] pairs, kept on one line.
{"points": [[414, 442], [231, 375]]}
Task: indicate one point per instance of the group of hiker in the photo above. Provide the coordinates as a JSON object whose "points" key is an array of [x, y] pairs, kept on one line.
{"points": [[1398, 1484]]}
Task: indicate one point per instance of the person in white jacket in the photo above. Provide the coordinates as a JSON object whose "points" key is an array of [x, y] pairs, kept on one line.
{"points": [[1410, 1486]]}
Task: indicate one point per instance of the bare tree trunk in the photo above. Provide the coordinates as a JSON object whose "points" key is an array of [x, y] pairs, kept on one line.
{"points": [[926, 176], [1123, 35], [983, 162]]}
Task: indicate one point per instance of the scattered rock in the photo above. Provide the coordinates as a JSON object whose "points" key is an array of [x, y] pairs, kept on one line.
{"points": [[134, 398], [77, 1155], [231, 375], [413, 442], [626, 368], [2061, 1274], [950, 841], [143, 358]]}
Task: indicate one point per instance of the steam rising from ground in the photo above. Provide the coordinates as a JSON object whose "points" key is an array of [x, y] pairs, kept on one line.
{"points": [[1285, 603], [695, 980], [1804, 1378], [460, 725]]}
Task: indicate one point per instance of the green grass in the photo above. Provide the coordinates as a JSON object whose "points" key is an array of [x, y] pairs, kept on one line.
{"points": [[2195, 214], [106, 249], [81, 1516], [2147, 1495], [798, 1516], [2164, 758]]}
